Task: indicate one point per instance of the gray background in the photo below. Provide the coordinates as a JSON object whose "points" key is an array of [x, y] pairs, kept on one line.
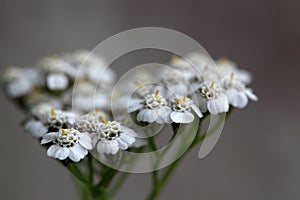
{"points": [[257, 156]]}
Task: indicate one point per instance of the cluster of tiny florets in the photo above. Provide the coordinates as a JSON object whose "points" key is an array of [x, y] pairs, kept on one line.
{"points": [[70, 111]]}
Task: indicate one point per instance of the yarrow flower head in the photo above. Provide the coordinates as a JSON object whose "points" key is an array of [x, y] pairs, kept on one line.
{"points": [[154, 108], [67, 143], [55, 119], [226, 67], [107, 119], [112, 137], [212, 98], [237, 93], [182, 110], [90, 122]]}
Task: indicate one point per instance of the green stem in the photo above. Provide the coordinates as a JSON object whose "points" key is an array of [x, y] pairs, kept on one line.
{"points": [[77, 173], [154, 173], [91, 169], [106, 179], [170, 170]]}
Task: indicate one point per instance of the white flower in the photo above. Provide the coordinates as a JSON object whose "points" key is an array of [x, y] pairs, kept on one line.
{"points": [[182, 108], [19, 88], [226, 67], [237, 93], [212, 98], [55, 119], [57, 81], [183, 66], [86, 96], [68, 143], [174, 84], [192, 64], [134, 94], [87, 103], [199, 60], [112, 137], [55, 64], [92, 68], [42, 110], [21, 81], [154, 108], [35, 128], [90, 122]]}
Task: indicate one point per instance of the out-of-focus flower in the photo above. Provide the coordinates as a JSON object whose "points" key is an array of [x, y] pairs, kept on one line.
{"points": [[86, 97], [92, 68], [226, 67], [68, 143], [57, 81], [41, 110], [173, 83], [35, 128], [56, 64], [20, 81], [184, 67]]}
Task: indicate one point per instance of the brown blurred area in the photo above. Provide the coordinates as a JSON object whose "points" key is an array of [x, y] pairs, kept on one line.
{"points": [[257, 156]]}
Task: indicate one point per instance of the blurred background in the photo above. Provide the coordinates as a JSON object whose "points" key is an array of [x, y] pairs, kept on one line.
{"points": [[257, 156]]}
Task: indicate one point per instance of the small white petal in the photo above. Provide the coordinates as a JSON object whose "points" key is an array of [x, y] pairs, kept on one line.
{"points": [[85, 141], [125, 140], [122, 144], [147, 115], [237, 99], [182, 117], [164, 113], [128, 131], [243, 75], [134, 104], [251, 95], [196, 110], [159, 119], [77, 152], [202, 104], [139, 142], [107, 147], [218, 105], [48, 137], [62, 153], [114, 149], [52, 150]]}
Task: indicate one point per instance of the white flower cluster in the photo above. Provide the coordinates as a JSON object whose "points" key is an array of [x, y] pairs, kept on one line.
{"points": [[63, 99], [215, 89], [69, 109]]}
